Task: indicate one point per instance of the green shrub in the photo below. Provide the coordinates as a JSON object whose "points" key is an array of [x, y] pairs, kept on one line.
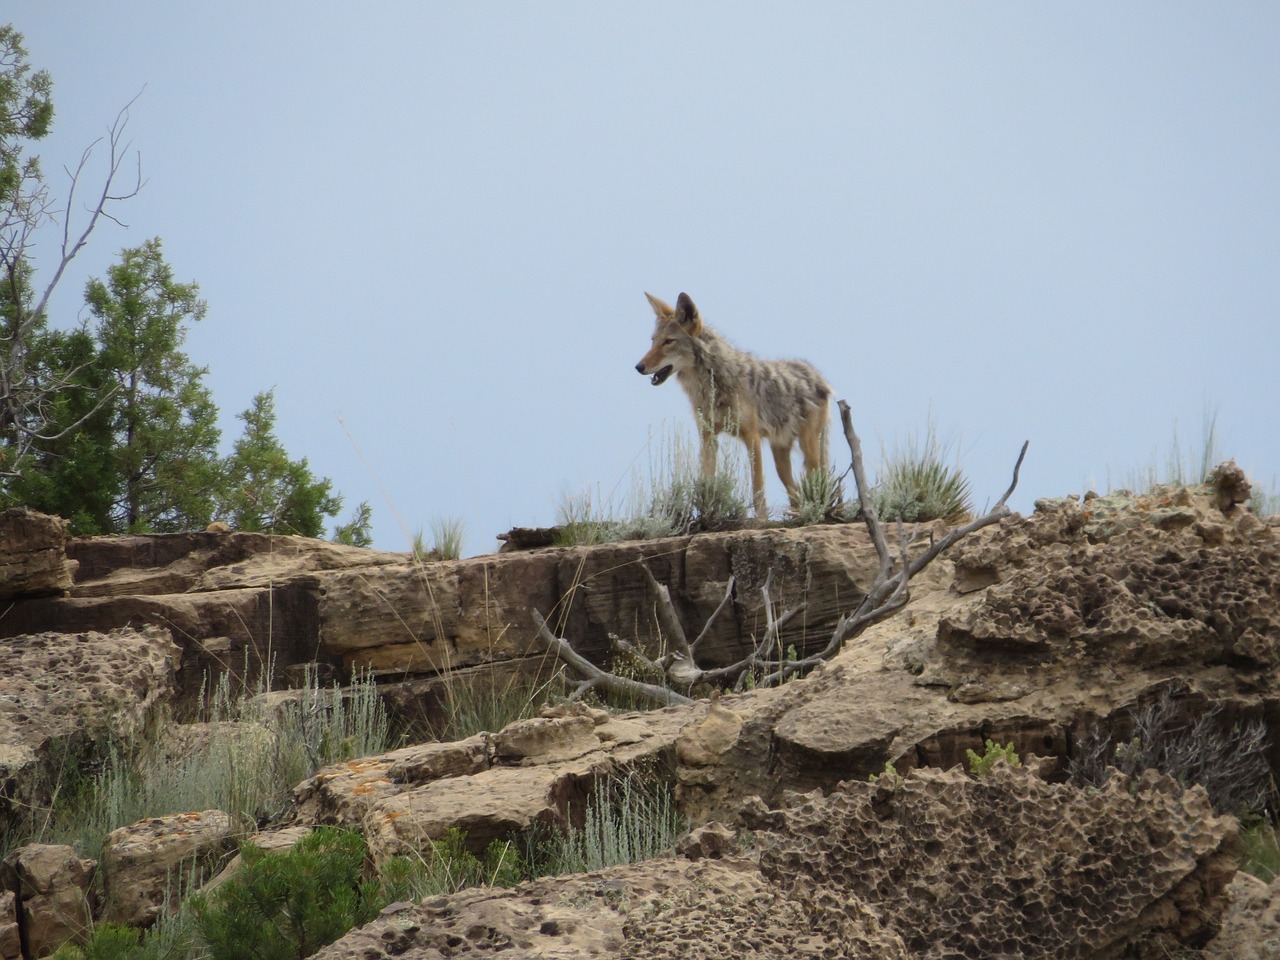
{"points": [[889, 772], [921, 487], [980, 766], [287, 905], [110, 941]]}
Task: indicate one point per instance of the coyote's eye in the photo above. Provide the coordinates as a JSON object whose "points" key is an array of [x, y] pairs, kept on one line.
{"points": [[669, 341]]}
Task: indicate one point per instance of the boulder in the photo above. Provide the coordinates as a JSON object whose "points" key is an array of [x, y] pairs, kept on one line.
{"points": [[33, 558], [490, 786], [51, 887], [10, 935], [1009, 866], [668, 908], [149, 866]]}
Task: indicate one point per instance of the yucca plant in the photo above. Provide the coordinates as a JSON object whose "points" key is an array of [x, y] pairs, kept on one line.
{"points": [[916, 485], [819, 497]]}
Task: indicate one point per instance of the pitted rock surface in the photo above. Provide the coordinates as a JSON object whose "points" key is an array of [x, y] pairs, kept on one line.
{"points": [[668, 908], [1251, 927], [1158, 581], [75, 688], [1008, 866], [936, 864]]}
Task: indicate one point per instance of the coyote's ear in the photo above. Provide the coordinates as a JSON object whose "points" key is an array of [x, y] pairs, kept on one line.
{"points": [[687, 315], [660, 309]]}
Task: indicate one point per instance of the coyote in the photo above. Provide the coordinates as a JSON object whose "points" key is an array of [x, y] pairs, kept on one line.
{"points": [[735, 392]]}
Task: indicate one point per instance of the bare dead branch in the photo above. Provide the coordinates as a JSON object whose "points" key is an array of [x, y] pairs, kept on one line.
{"points": [[598, 678], [667, 618], [864, 489], [24, 396], [725, 603], [71, 248]]}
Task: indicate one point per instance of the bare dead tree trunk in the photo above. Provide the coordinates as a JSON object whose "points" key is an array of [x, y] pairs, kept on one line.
{"points": [[888, 593]]}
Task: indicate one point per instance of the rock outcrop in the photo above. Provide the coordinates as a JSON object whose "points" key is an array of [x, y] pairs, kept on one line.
{"points": [[1036, 632], [140, 862]]}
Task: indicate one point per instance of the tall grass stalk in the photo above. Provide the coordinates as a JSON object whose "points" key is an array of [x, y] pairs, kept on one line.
{"points": [[486, 702], [447, 536], [1180, 467], [1266, 502], [670, 499]]}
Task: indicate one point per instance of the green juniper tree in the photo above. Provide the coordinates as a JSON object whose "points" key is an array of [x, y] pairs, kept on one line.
{"points": [[72, 474], [264, 490], [110, 424], [164, 450], [356, 531]]}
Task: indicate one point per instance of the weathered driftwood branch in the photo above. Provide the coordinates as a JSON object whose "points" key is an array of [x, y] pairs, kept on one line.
{"points": [[597, 678], [888, 593]]}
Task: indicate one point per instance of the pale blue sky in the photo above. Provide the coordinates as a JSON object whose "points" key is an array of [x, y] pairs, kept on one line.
{"points": [[1054, 222]]}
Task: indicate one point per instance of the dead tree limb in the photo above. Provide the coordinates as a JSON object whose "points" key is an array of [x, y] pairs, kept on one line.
{"points": [[888, 593], [600, 679], [26, 392]]}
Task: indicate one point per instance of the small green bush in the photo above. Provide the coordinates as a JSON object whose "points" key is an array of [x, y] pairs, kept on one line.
{"points": [[980, 766], [110, 941], [287, 905], [890, 772]]}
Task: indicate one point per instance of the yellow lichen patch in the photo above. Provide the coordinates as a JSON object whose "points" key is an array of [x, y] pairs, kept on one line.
{"points": [[369, 786]]}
